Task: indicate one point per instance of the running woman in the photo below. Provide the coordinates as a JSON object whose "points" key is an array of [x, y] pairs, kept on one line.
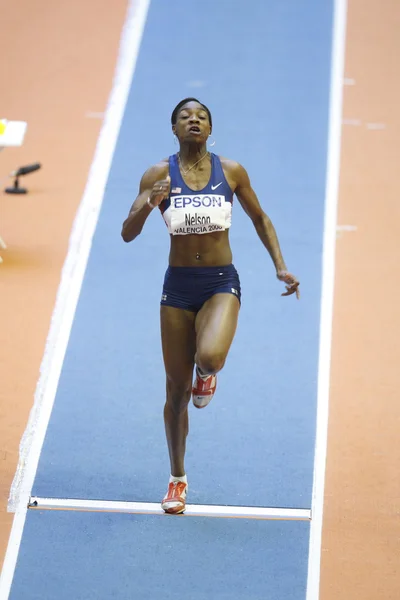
{"points": [[200, 300]]}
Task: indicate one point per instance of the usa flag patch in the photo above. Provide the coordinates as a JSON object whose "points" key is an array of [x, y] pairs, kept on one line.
{"points": [[176, 190]]}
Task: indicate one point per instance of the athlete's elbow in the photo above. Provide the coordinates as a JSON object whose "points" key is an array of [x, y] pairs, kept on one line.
{"points": [[129, 235], [260, 219], [126, 238]]}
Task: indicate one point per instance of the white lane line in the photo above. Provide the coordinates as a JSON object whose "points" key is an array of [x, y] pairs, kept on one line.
{"points": [[346, 228], [328, 275], [152, 508], [71, 283], [90, 114], [196, 83], [376, 126], [340, 229], [352, 122]]}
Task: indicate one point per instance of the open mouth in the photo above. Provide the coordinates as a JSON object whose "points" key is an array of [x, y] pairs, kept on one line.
{"points": [[194, 129]]}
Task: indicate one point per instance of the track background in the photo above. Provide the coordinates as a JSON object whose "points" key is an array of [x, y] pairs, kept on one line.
{"points": [[362, 450], [105, 438]]}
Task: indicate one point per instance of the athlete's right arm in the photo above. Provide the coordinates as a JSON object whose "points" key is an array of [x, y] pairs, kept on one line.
{"points": [[154, 187]]}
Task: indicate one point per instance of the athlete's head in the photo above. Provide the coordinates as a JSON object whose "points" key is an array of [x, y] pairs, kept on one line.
{"points": [[191, 121]]}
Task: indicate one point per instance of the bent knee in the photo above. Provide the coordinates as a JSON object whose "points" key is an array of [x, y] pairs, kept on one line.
{"points": [[210, 362]]}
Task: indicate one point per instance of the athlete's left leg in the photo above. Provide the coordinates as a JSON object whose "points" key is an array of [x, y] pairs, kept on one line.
{"points": [[216, 325]]}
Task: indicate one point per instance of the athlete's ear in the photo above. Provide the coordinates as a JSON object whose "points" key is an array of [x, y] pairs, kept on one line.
{"points": [[174, 129]]}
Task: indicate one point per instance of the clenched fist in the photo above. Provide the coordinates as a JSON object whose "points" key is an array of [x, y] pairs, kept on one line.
{"points": [[160, 191]]}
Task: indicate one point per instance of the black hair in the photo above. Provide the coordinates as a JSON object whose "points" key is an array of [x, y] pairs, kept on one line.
{"points": [[185, 101]]}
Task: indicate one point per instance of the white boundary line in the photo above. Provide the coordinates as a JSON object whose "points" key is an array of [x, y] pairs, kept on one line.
{"points": [[152, 508], [328, 260], [71, 283]]}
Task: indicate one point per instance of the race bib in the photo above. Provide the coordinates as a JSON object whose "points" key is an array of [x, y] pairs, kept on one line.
{"points": [[197, 213]]}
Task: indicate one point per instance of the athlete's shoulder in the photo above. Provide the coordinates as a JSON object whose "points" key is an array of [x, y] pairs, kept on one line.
{"points": [[154, 173], [234, 170], [231, 165], [159, 168]]}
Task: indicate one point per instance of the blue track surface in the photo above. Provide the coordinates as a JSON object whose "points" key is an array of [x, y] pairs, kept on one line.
{"points": [[97, 556], [264, 71]]}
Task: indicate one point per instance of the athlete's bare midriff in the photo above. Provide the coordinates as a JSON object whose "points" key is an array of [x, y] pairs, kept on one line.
{"points": [[195, 250]]}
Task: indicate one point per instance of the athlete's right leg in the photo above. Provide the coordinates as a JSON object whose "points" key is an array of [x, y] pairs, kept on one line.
{"points": [[178, 337], [178, 343]]}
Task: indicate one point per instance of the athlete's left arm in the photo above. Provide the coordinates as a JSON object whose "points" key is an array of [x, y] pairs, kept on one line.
{"points": [[264, 227]]}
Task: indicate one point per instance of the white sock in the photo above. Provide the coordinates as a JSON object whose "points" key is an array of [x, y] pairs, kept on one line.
{"points": [[200, 372], [183, 479]]}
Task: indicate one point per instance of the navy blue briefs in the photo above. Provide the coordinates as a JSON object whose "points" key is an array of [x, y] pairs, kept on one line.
{"points": [[190, 287]]}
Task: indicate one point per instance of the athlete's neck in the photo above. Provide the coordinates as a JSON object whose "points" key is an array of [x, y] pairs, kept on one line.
{"points": [[191, 153]]}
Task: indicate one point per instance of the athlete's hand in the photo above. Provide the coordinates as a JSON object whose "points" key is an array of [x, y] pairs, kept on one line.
{"points": [[160, 191], [292, 286]]}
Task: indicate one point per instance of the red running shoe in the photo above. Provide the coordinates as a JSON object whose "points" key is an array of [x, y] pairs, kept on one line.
{"points": [[203, 390], [174, 503]]}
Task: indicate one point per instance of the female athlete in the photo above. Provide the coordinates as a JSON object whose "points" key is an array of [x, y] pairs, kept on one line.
{"points": [[201, 295]]}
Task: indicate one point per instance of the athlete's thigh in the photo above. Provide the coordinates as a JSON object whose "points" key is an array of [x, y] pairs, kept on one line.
{"points": [[178, 338], [216, 324]]}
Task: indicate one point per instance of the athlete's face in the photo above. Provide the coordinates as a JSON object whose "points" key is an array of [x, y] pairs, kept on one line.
{"points": [[192, 123]]}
